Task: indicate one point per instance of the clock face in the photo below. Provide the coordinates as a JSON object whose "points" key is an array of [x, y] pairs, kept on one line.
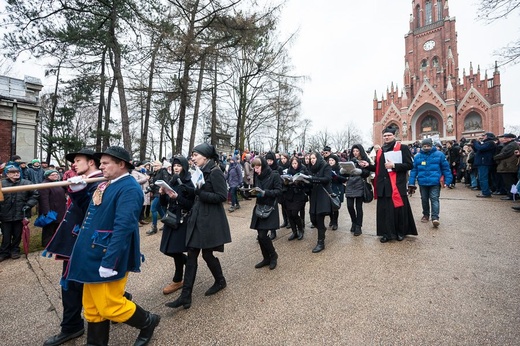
{"points": [[428, 45]]}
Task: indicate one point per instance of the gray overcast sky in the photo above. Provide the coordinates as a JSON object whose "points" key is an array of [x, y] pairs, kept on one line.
{"points": [[351, 48]]}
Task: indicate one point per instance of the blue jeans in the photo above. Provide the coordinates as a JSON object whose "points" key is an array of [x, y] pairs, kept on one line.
{"points": [[430, 193], [473, 176], [234, 197], [156, 209], [483, 179]]}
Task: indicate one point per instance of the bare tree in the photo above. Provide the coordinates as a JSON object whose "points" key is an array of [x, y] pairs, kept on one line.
{"points": [[492, 10]]}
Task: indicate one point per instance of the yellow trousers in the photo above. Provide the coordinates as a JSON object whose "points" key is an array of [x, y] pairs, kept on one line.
{"points": [[105, 301]]}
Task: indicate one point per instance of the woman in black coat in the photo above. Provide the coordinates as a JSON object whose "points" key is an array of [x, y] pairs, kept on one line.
{"points": [[337, 187], [173, 240], [295, 197], [356, 188], [320, 204], [270, 188], [208, 227]]}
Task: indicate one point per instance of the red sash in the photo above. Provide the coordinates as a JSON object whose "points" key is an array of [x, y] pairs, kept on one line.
{"points": [[396, 196]]}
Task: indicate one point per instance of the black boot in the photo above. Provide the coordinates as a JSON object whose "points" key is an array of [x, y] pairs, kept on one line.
{"points": [[269, 248], [321, 241], [265, 254], [353, 227], [184, 299], [146, 322], [357, 230], [272, 234], [98, 333], [294, 234], [220, 281]]}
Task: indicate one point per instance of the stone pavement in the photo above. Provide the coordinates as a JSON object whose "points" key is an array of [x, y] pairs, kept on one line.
{"points": [[455, 285]]}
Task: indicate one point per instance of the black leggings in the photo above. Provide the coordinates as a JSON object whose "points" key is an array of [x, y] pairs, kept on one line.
{"points": [[295, 220], [356, 215], [207, 255], [180, 260]]}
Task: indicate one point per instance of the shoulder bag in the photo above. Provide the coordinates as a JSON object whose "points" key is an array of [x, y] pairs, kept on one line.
{"points": [[368, 192], [334, 199]]}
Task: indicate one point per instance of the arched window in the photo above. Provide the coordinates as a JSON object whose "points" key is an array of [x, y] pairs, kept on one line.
{"points": [[424, 64], [428, 13], [473, 122], [439, 9], [418, 16], [429, 124], [435, 62]]}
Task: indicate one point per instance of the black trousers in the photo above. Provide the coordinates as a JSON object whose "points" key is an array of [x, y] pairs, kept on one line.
{"points": [[12, 236], [71, 299]]}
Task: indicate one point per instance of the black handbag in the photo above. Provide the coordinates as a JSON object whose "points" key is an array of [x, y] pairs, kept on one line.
{"points": [[368, 192], [170, 219], [262, 211], [334, 200]]}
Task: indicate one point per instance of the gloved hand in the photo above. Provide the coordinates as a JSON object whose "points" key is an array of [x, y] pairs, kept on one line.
{"points": [[25, 209], [76, 180], [76, 183], [106, 272], [411, 189], [260, 193]]}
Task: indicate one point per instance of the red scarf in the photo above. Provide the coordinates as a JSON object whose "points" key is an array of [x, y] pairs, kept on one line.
{"points": [[396, 196]]}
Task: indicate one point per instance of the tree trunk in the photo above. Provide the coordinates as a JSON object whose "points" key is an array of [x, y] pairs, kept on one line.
{"points": [[102, 86], [116, 49], [52, 116], [197, 104]]}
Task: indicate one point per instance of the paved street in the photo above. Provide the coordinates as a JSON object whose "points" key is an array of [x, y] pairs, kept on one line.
{"points": [[455, 285]]}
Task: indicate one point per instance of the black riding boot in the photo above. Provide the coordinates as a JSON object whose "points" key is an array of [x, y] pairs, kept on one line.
{"points": [[146, 322], [294, 234], [184, 299], [321, 241], [220, 281], [98, 333]]}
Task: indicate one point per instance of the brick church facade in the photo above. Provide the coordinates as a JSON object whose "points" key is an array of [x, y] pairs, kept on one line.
{"points": [[435, 102]]}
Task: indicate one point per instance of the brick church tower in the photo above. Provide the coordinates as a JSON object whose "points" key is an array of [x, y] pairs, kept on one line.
{"points": [[435, 101]]}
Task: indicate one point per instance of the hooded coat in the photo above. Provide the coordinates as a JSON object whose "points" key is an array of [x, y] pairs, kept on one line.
{"points": [[321, 172], [271, 183], [174, 240], [356, 183], [208, 226]]}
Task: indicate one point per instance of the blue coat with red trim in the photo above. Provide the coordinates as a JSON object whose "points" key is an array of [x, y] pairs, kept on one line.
{"points": [[109, 235]]}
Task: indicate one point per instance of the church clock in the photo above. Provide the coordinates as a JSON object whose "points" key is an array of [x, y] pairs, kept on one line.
{"points": [[429, 45]]}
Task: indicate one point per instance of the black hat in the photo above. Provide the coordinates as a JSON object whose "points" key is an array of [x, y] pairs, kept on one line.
{"points": [[508, 135], [117, 152], [427, 141], [87, 152], [489, 134], [327, 148], [207, 150], [392, 130]]}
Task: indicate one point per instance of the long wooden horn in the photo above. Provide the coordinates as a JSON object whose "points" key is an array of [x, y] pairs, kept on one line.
{"points": [[42, 186]]}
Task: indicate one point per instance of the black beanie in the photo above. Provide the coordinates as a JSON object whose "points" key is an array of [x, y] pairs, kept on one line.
{"points": [[206, 150], [270, 156]]}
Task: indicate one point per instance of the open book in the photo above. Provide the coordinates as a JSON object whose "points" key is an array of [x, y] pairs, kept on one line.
{"points": [[164, 185], [287, 178]]}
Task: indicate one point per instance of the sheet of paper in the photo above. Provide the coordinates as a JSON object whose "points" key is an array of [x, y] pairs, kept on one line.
{"points": [[197, 178], [164, 185]]}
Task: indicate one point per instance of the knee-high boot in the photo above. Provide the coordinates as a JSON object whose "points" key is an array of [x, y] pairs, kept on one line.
{"points": [[321, 241], [184, 299], [269, 248], [265, 254], [146, 322], [294, 229], [220, 282], [98, 333]]}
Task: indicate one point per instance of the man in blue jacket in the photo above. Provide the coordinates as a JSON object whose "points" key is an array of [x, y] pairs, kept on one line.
{"points": [[428, 167], [108, 248], [484, 152]]}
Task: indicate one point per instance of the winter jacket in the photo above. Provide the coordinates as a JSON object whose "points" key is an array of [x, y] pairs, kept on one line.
{"points": [[484, 152], [506, 159], [428, 167], [234, 175], [36, 175], [271, 183], [208, 226], [11, 207], [321, 176], [53, 199]]}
